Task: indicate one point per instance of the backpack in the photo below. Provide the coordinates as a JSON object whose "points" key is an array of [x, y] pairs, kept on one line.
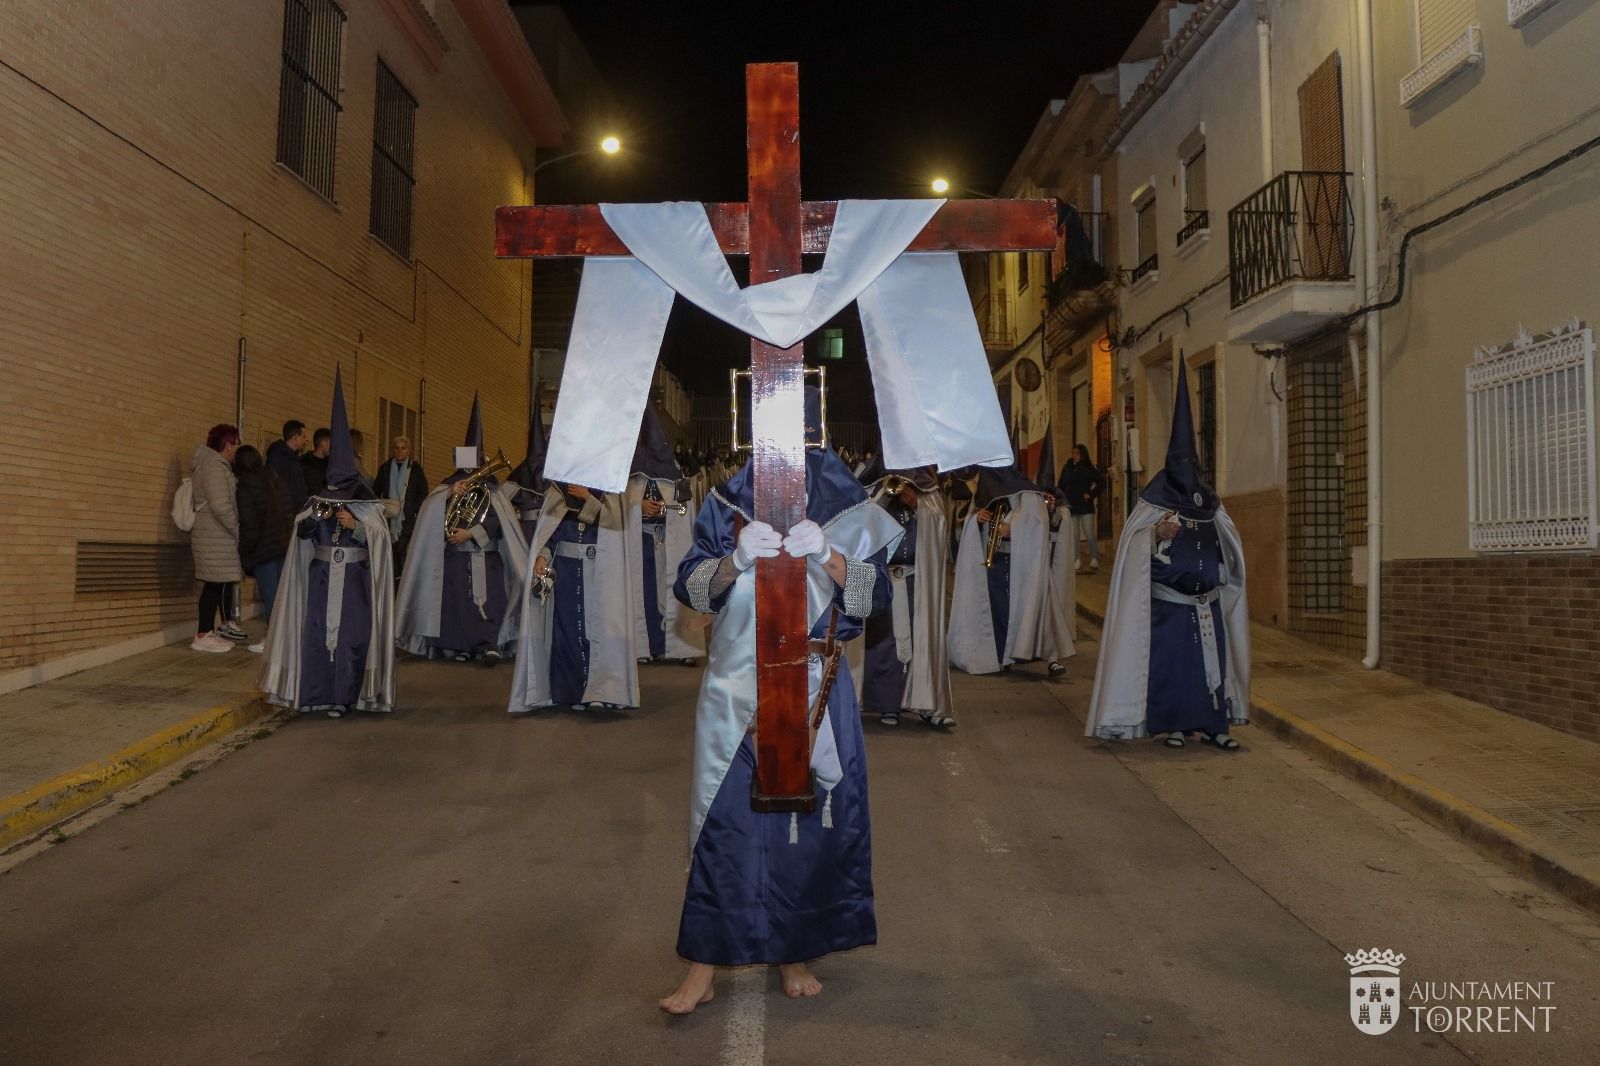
{"points": [[183, 507]]}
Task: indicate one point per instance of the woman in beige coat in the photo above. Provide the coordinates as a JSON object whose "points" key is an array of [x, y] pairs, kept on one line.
{"points": [[215, 537]]}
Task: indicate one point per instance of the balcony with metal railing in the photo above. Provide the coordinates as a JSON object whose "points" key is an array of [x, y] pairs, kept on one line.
{"points": [[1081, 287], [1290, 248]]}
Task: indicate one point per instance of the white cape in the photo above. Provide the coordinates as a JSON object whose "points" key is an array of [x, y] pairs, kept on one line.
{"points": [[607, 615], [1122, 679], [685, 629], [280, 659], [1033, 629], [422, 583]]}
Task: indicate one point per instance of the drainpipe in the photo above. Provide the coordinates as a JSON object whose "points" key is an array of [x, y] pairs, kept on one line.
{"points": [[1374, 328], [1264, 87]]}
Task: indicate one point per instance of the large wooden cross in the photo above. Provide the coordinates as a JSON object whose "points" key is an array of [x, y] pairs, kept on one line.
{"points": [[774, 229]]}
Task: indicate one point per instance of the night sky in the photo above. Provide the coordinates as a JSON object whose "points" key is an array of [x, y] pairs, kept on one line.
{"points": [[891, 95]]}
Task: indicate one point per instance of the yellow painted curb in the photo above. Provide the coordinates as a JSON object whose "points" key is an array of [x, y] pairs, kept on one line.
{"points": [[27, 812]]}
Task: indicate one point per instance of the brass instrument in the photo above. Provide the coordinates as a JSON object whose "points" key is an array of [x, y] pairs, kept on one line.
{"points": [[998, 517], [471, 506]]}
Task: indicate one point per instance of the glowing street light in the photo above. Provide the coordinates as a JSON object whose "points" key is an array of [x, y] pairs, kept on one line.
{"points": [[610, 145], [941, 186]]}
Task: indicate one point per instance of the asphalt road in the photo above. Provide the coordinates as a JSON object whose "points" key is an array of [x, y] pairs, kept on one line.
{"points": [[448, 885]]}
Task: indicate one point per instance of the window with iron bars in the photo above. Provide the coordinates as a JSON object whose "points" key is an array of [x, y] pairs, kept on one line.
{"points": [[394, 128], [308, 91]]}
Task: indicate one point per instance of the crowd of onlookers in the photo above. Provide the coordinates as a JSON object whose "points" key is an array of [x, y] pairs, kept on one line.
{"points": [[245, 505]]}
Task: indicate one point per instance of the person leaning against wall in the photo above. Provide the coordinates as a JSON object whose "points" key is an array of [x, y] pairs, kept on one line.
{"points": [[215, 536]]}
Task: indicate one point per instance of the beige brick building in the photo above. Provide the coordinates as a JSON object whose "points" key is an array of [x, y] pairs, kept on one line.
{"points": [[165, 271]]}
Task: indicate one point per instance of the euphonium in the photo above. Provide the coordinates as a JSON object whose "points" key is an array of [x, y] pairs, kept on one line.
{"points": [[997, 518], [471, 506]]}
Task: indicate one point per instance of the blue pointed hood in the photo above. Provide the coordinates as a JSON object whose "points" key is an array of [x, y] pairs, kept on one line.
{"points": [[1045, 476], [1178, 486], [344, 480], [530, 474], [474, 427], [652, 454]]}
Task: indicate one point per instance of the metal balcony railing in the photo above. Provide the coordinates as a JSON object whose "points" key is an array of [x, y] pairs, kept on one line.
{"points": [[1082, 255], [1145, 268], [1299, 226], [1194, 222]]}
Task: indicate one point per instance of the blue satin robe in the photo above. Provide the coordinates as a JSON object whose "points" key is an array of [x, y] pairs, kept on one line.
{"points": [[569, 638], [334, 682], [1178, 698], [752, 896]]}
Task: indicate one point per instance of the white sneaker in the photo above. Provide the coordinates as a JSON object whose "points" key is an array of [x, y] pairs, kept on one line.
{"points": [[1077, 565], [210, 642], [229, 631], [258, 648]]}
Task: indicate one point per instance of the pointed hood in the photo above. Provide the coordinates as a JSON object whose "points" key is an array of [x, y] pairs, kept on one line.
{"points": [[1178, 486], [530, 474], [474, 427], [1045, 477], [652, 455], [344, 480]]}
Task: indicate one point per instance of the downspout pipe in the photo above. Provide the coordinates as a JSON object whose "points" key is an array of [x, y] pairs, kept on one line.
{"points": [[1264, 78], [1374, 330]]}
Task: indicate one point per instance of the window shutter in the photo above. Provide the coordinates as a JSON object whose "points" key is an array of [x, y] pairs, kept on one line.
{"points": [[1439, 22]]}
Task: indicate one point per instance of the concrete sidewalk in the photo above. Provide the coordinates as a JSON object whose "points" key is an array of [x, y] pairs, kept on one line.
{"points": [[67, 743], [1521, 792]]}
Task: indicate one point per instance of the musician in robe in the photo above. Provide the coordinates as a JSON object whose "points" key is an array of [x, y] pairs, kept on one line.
{"points": [[1063, 564], [330, 646], [907, 667], [578, 644], [460, 593], [771, 888], [401, 480], [525, 485], [1005, 610], [1175, 650], [660, 530]]}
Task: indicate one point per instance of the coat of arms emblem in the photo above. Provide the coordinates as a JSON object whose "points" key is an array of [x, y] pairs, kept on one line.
{"points": [[1374, 989]]}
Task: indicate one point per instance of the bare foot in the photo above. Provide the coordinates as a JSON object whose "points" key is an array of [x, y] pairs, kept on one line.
{"points": [[798, 980], [695, 990]]}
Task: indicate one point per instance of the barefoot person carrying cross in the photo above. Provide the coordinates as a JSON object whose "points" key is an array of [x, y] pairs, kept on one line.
{"points": [[790, 567]]}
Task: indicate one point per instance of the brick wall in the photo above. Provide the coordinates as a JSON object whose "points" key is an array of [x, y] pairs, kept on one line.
{"points": [[1519, 633], [148, 230]]}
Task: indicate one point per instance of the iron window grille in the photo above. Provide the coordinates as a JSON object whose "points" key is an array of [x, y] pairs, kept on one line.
{"points": [[1531, 472], [308, 91], [394, 128], [1299, 226]]}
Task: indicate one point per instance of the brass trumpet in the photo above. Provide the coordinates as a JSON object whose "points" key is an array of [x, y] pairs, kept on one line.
{"points": [[471, 506], [997, 518]]}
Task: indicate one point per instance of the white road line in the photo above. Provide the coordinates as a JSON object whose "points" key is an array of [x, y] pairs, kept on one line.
{"points": [[745, 1041]]}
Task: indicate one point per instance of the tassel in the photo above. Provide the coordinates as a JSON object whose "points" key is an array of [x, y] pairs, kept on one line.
{"points": [[794, 828], [827, 810]]}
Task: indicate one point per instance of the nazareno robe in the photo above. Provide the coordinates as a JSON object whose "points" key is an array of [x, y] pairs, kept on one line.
{"points": [[299, 669], [780, 888], [578, 645], [666, 629], [1152, 672], [906, 663], [1009, 612], [437, 612]]}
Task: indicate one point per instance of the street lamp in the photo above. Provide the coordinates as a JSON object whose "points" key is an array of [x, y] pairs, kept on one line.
{"points": [[941, 186], [609, 144]]}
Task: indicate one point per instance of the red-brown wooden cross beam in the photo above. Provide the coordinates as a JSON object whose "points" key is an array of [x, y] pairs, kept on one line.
{"points": [[774, 229]]}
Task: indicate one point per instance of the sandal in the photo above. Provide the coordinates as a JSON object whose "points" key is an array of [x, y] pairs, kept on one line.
{"points": [[889, 718], [1174, 740], [1056, 669], [938, 721], [1222, 740]]}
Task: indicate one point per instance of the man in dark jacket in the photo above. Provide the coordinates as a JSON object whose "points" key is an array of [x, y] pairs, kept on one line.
{"points": [[315, 462], [265, 520], [1080, 484], [283, 459], [401, 478]]}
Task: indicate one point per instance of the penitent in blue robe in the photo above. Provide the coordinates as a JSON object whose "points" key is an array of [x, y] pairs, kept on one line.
{"points": [[1179, 700], [883, 681], [569, 638], [327, 682], [462, 627], [753, 896]]}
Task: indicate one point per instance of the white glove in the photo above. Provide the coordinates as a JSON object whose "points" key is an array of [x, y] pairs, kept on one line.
{"points": [[805, 538], [757, 540]]}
